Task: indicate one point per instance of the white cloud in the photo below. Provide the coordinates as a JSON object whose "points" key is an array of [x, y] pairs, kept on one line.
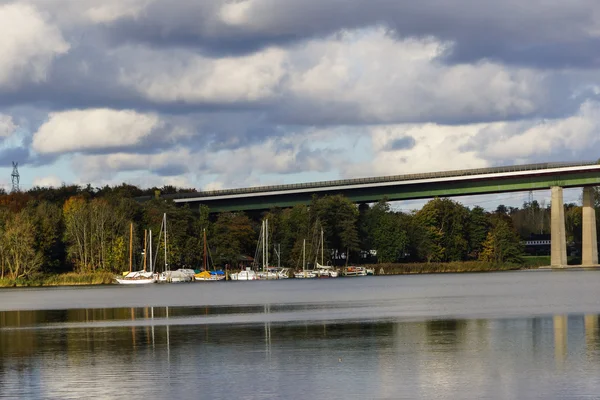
{"points": [[101, 167], [572, 135], [378, 78], [436, 148], [28, 45], [112, 10], [287, 155], [93, 129], [47, 181], [7, 126], [354, 77], [182, 76], [236, 13]]}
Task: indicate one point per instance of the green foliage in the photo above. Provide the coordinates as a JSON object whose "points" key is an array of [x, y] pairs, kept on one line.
{"points": [[502, 244], [477, 229], [338, 216], [446, 231], [86, 229], [233, 237], [386, 232]]}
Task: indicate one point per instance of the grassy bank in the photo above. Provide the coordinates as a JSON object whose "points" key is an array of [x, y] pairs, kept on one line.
{"points": [[435, 268], [68, 279]]}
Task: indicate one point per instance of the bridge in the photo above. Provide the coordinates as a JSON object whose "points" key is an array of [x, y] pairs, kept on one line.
{"points": [[553, 176]]}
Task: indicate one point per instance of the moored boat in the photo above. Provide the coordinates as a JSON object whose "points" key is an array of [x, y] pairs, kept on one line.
{"points": [[205, 275], [326, 271], [137, 278], [354, 271], [247, 275]]}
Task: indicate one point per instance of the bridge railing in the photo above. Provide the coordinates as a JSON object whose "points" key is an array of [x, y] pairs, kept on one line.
{"points": [[380, 179]]}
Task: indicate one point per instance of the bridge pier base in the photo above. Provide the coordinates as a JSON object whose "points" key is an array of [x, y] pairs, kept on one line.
{"points": [[589, 245], [558, 240]]}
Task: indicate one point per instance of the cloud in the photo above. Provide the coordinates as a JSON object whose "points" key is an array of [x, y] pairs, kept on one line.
{"points": [[188, 78], [341, 79], [47, 181], [96, 129], [244, 92], [112, 10], [7, 126], [569, 137], [28, 45], [507, 31], [173, 163]]}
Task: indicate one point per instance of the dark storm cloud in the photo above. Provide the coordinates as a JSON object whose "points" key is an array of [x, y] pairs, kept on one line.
{"points": [[20, 154], [535, 32], [171, 170], [403, 143]]}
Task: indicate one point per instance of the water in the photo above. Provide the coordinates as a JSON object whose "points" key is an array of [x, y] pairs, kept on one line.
{"points": [[511, 335]]}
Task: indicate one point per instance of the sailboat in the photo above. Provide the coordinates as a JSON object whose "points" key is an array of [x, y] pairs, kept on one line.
{"points": [[136, 277], [324, 271], [304, 273], [206, 275], [167, 275], [267, 272]]}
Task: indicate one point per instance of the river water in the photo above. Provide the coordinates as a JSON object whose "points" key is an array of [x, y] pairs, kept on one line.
{"points": [[509, 335]]}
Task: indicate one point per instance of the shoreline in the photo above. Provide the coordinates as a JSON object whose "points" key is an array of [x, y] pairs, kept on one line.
{"points": [[107, 278]]}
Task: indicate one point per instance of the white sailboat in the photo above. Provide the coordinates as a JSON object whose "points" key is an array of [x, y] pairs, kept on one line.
{"points": [[249, 274], [324, 271], [168, 276], [304, 274], [267, 272], [136, 277]]}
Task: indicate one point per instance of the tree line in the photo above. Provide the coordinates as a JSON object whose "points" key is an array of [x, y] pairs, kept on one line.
{"points": [[83, 229]]}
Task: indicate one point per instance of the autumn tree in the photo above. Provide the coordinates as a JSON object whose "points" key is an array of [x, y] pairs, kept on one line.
{"points": [[502, 243], [17, 248]]}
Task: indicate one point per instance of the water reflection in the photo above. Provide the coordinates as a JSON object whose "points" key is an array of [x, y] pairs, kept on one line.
{"points": [[542, 357]]}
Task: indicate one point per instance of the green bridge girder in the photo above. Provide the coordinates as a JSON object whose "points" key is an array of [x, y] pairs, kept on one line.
{"points": [[404, 190]]}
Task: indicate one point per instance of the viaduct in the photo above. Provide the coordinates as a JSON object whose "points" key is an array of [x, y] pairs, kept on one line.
{"points": [[549, 176]]}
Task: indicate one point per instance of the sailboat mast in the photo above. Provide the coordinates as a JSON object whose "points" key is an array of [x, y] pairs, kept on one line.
{"points": [[150, 253], [204, 263], [322, 246], [130, 246], [165, 224], [145, 247], [262, 242], [266, 243], [304, 255], [278, 255]]}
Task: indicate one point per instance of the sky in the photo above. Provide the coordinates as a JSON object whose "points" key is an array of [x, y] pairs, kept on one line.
{"points": [[218, 94]]}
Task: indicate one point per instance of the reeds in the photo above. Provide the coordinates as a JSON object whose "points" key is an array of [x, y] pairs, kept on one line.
{"points": [[67, 279], [435, 268]]}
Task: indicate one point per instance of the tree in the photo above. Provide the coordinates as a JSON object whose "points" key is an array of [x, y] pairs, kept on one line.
{"points": [[77, 231], [48, 223], [339, 217], [502, 244], [477, 227], [445, 222], [233, 237], [18, 247], [389, 238]]}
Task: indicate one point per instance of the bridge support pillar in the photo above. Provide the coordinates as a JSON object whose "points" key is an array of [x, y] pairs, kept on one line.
{"points": [[589, 245], [558, 240]]}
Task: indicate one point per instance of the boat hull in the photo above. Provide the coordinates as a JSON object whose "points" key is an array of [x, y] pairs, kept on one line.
{"points": [[143, 281]]}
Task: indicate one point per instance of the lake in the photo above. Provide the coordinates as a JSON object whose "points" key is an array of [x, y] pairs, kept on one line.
{"points": [[508, 335]]}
